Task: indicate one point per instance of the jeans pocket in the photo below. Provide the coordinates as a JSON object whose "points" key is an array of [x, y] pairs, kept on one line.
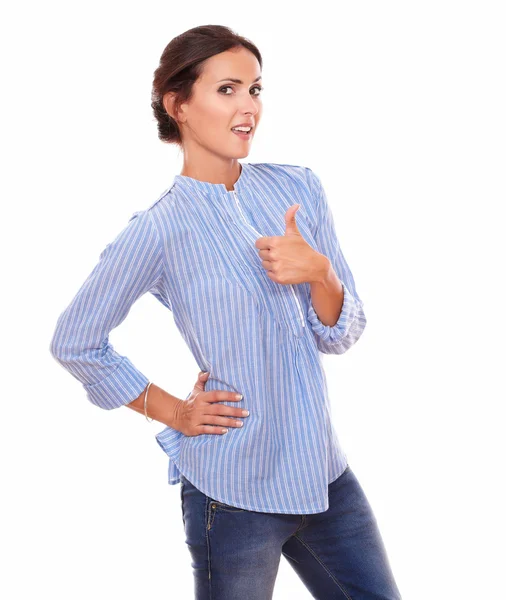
{"points": [[217, 505]]}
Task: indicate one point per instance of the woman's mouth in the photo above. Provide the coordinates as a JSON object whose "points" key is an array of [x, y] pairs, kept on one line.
{"points": [[244, 135]]}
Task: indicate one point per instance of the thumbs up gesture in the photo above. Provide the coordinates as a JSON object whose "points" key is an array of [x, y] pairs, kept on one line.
{"points": [[289, 258]]}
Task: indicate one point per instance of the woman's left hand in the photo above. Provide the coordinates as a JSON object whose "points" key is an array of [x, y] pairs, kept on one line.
{"points": [[289, 258]]}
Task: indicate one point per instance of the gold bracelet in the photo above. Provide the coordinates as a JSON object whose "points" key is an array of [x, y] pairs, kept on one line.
{"points": [[146, 402]]}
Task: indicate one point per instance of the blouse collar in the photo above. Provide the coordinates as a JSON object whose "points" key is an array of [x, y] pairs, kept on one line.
{"points": [[214, 189]]}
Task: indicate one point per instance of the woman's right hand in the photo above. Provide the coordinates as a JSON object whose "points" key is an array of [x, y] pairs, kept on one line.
{"points": [[202, 413]]}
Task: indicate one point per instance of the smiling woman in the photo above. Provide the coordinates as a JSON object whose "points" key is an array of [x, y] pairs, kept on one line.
{"points": [[258, 291], [206, 87]]}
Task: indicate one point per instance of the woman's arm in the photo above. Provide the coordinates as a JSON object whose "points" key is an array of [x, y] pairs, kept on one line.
{"points": [[161, 406], [327, 293], [335, 310], [130, 266]]}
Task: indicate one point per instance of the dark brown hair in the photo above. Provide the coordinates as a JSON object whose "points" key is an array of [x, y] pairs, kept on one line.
{"points": [[181, 65]]}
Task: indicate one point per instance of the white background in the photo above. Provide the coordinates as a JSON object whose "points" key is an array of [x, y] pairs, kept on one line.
{"points": [[399, 107]]}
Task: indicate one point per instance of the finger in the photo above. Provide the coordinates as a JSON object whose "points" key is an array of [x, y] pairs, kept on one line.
{"points": [[222, 421], [201, 380], [263, 243], [224, 410], [211, 429], [220, 396], [290, 220]]}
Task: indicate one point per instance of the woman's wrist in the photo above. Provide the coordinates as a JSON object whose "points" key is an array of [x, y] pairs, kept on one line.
{"points": [[161, 406]]}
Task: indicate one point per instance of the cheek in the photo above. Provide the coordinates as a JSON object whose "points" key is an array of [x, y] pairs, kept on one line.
{"points": [[213, 126], [209, 116], [218, 113]]}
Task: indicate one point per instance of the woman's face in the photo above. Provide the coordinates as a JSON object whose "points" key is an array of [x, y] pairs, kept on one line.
{"points": [[219, 103]]}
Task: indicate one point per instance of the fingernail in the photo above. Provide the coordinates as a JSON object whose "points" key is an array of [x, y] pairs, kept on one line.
{"points": [[238, 396]]}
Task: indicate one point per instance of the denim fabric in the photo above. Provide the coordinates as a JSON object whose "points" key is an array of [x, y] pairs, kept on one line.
{"points": [[338, 554]]}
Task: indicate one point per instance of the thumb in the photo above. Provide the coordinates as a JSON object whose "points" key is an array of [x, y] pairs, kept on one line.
{"points": [[290, 222], [201, 381]]}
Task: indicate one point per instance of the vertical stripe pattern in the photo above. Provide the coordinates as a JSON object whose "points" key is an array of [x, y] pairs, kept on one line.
{"points": [[194, 250]]}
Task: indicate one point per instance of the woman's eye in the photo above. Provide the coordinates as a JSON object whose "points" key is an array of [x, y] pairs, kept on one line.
{"points": [[258, 87]]}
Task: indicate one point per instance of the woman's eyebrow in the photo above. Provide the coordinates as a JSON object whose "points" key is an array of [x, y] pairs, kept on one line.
{"points": [[238, 80]]}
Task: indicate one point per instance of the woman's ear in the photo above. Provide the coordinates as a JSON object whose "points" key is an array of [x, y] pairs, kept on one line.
{"points": [[168, 103]]}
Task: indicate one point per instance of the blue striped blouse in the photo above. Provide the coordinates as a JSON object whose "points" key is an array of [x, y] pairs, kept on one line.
{"points": [[194, 250]]}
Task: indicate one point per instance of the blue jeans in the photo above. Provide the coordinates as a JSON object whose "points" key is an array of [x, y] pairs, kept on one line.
{"points": [[338, 554]]}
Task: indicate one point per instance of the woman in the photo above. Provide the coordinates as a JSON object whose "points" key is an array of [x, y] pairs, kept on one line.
{"points": [[246, 257]]}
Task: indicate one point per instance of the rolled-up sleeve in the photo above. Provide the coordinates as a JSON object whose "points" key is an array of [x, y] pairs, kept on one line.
{"points": [[128, 267], [338, 338]]}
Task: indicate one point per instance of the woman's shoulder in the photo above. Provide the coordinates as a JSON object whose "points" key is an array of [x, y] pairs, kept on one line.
{"points": [[303, 177], [279, 168], [297, 173], [163, 200], [143, 225]]}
